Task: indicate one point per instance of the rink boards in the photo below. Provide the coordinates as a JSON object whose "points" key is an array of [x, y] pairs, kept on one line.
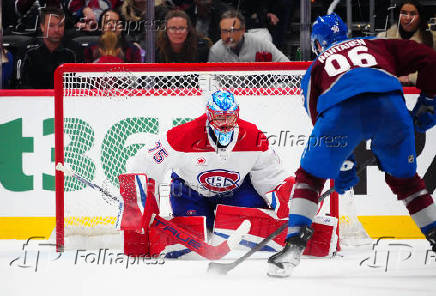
{"points": [[27, 149]]}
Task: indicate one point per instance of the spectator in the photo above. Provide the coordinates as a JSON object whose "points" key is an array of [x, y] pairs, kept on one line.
{"points": [[411, 25], [109, 49], [110, 20], [179, 42], [237, 46], [205, 17], [89, 11], [134, 13], [7, 68], [51, 50]]}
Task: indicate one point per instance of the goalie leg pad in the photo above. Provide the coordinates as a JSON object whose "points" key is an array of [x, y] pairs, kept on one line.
{"points": [[324, 240], [136, 244], [263, 223], [138, 194], [165, 242], [139, 204]]}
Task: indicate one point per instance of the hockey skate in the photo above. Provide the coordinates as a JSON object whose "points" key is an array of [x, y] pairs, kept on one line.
{"points": [[283, 263], [431, 237]]}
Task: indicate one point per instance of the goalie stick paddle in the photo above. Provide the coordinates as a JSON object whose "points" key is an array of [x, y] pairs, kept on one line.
{"points": [[224, 268], [183, 236]]}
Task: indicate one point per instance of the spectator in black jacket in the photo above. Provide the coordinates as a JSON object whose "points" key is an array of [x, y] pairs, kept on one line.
{"points": [[40, 60]]}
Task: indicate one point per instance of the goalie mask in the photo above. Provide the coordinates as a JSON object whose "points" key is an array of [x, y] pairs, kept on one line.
{"points": [[327, 30], [222, 113]]}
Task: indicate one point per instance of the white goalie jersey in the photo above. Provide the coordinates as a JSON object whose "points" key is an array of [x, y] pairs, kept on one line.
{"points": [[189, 151]]}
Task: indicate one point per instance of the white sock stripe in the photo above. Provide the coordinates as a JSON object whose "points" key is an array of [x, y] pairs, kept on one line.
{"points": [[305, 187], [303, 207], [425, 216], [294, 229], [408, 199]]}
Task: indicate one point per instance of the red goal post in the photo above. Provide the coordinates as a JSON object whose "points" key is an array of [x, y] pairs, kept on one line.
{"points": [[105, 112]]}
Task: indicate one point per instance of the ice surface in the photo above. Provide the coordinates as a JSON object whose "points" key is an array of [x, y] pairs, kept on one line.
{"points": [[388, 267]]}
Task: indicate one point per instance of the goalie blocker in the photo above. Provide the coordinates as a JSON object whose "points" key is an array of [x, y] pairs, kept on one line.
{"points": [[148, 234]]}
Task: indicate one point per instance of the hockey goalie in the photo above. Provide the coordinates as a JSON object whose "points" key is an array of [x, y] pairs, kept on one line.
{"points": [[228, 190]]}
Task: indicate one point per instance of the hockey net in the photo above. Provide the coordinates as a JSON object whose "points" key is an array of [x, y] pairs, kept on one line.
{"points": [[104, 113]]}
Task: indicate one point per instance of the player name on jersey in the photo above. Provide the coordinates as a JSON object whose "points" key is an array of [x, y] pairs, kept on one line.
{"points": [[342, 46]]}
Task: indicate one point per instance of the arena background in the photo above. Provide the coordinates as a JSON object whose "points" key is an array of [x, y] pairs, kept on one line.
{"points": [[27, 159]]}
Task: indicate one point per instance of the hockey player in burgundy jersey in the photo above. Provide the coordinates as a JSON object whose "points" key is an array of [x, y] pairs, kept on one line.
{"points": [[351, 90]]}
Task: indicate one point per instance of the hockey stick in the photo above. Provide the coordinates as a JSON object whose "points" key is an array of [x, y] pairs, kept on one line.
{"points": [[166, 227], [224, 268], [70, 173]]}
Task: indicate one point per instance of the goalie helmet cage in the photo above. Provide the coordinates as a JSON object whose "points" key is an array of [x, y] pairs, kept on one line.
{"points": [[104, 113]]}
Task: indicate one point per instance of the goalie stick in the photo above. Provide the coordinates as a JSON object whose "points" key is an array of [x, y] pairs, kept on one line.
{"points": [[224, 268], [167, 227]]}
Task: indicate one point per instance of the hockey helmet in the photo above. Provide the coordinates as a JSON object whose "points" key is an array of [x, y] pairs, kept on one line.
{"points": [[327, 30], [222, 113]]}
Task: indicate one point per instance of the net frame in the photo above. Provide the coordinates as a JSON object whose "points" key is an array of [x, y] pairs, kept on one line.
{"points": [[63, 89]]}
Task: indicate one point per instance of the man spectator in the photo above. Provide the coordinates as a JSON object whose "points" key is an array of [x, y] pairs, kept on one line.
{"points": [[40, 60], [259, 16], [237, 46]]}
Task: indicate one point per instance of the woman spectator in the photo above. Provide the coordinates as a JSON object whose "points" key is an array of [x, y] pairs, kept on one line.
{"points": [[412, 24], [134, 13], [179, 42], [109, 49], [110, 20]]}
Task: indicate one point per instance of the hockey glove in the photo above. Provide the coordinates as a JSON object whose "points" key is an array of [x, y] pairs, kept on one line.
{"points": [[424, 113], [347, 177]]}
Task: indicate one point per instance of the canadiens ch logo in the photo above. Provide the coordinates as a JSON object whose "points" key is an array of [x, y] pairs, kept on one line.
{"points": [[219, 180]]}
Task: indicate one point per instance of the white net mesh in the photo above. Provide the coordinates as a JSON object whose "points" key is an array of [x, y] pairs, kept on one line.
{"points": [[108, 115], [351, 230]]}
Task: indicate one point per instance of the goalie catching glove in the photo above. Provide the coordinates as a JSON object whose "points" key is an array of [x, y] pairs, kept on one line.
{"points": [[347, 177], [424, 113]]}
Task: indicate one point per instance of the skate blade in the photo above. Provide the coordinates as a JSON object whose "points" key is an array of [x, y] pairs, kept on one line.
{"points": [[277, 272]]}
